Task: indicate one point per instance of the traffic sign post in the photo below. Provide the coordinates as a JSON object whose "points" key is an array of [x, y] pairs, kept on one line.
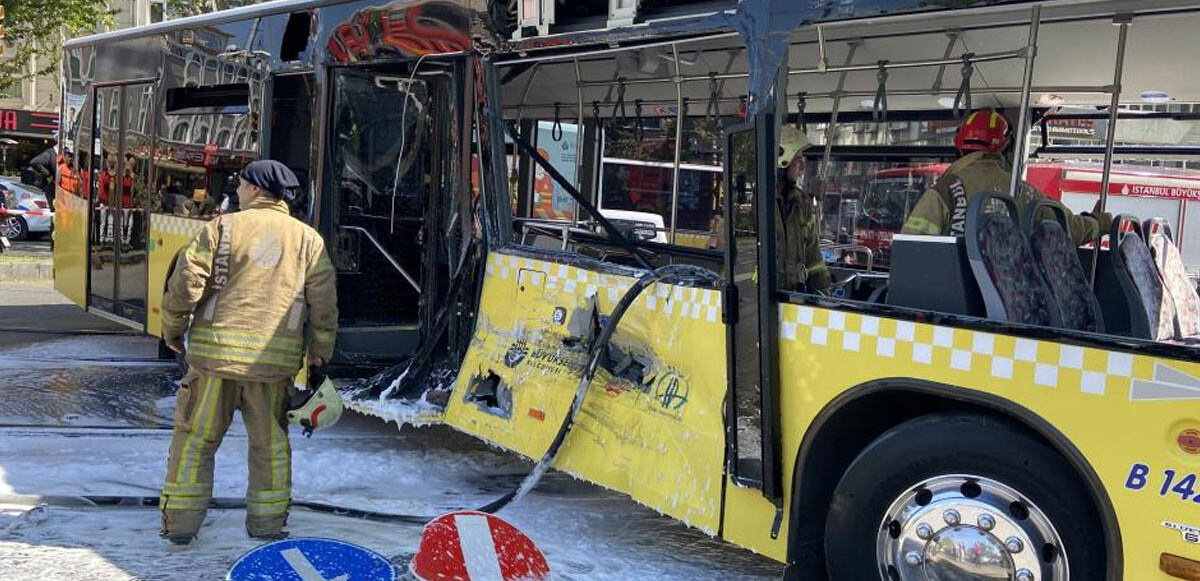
{"points": [[307, 559], [476, 546]]}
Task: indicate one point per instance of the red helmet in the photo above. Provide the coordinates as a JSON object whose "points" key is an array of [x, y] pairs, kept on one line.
{"points": [[983, 130]]}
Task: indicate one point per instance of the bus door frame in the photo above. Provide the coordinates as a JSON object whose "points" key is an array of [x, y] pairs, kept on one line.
{"points": [[93, 189], [767, 305]]}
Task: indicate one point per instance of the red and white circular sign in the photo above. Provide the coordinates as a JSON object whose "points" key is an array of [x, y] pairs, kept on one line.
{"points": [[476, 546]]}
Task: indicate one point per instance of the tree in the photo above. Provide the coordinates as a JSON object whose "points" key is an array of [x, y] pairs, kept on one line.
{"points": [[34, 33], [180, 8]]}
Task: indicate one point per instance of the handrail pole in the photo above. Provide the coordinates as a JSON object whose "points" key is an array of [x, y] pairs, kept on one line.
{"points": [[1021, 136]]}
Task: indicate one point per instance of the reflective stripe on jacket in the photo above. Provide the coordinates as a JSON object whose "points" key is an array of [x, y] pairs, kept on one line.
{"points": [[246, 288]]}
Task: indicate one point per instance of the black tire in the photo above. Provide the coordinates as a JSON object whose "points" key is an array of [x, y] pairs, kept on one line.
{"points": [[944, 444], [16, 228]]}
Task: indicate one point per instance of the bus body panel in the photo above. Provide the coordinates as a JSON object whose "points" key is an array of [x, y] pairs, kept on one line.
{"points": [[71, 246], [651, 425], [1125, 413], [749, 516], [168, 234]]}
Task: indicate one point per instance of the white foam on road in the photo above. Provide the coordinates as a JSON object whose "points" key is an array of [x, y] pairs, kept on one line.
{"points": [[586, 532]]}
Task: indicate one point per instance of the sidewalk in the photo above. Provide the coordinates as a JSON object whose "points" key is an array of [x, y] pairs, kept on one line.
{"points": [[25, 268]]}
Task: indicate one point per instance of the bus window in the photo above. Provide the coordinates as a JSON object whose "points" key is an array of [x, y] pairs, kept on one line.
{"points": [[637, 181]]}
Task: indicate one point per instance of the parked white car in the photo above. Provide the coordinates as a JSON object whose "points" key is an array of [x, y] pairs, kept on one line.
{"points": [[24, 210]]}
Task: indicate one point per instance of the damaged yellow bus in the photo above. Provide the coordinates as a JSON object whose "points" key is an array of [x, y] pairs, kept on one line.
{"points": [[995, 405]]}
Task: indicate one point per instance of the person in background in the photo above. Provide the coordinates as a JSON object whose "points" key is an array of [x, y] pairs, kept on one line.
{"points": [[253, 292], [981, 167], [797, 246]]}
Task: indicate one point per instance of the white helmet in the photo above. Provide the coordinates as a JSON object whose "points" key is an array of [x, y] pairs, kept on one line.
{"points": [[316, 409], [791, 142]]}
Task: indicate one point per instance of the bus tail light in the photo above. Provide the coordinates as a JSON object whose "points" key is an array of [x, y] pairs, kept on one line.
{"points": [[1179, 567]]}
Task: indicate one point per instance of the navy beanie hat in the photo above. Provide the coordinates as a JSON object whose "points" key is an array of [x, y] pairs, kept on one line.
{"points": [[272, 176]]}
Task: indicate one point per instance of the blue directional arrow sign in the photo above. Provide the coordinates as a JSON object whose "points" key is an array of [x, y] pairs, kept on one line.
{"points": [[311, 560]]}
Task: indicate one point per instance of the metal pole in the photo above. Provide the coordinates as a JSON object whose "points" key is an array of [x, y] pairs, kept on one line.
{"points": [[537, 67], [831, 129], [578, 139], [678, 145], [1122, 21], [937, 83], [1021, 136]]}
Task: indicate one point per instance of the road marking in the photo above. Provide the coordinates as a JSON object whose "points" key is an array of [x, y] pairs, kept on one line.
{"points": [[305, 569], [478, 548]]}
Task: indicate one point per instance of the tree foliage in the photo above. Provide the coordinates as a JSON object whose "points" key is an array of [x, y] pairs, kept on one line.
{"points": [[34, 31], [179, 8]]}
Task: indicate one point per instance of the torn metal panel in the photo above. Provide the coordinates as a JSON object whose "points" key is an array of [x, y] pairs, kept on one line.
{"points": [[652, 423]]}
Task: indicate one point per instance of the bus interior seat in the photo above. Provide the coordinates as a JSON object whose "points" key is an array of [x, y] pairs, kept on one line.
{"points": [[1128, 286], [1179, 289], [931, 273], [1013, 290], [1058, 262]]}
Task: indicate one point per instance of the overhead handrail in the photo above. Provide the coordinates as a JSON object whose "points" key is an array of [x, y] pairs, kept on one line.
{"points": [[638, 126], [556, 132], [801, 105], [404, 273], [962, 100], [846, 68], [1058, 90], [620, 103], [713, 112], [879, 106]]}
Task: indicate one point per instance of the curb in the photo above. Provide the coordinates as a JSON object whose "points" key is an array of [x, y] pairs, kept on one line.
{"points": [[12, 271]]}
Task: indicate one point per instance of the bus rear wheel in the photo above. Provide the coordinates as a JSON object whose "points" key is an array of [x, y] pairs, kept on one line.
{"points": [[954, 496]]}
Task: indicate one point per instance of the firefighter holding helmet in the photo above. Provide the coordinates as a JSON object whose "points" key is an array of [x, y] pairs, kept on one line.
{"points": [[981, 141], [252, 291], [797, 245]]}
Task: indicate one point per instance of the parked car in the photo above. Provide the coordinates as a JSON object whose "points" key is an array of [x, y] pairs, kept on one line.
{"points": [[25, 211]]}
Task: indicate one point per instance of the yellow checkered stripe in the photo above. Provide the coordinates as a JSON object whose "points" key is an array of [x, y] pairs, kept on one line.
{"points": [[1002, 357], [175, 225], [673, 300]]}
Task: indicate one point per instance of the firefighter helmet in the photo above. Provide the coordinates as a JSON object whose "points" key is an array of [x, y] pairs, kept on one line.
{"points": [[791, 142], [317, 407], [983, 130]]}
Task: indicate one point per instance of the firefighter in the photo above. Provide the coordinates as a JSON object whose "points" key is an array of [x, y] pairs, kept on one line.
{"points": [[981, 167], [251, 292], [801, 265]]}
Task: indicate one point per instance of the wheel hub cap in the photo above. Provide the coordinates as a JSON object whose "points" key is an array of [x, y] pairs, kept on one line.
{"points": [[966, 552], [967, 528]]}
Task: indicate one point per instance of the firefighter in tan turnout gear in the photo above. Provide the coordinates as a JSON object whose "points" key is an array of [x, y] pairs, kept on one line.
{"points": [[801, 266], [253, 292], [981, 139]]}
